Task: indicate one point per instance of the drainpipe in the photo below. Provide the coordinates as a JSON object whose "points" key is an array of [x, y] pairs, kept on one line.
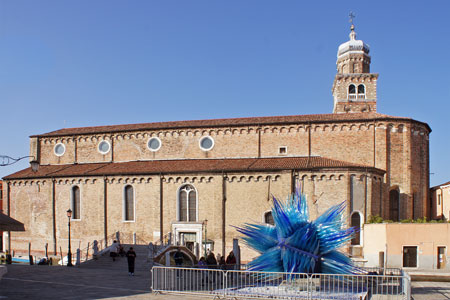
{"points": [[309, 140], [8, 203], [112, 148], [75, 150], [161, 203], [224, 199], [292, 181], [105, 209], [55, 249], [365, 196], [259, 142]]}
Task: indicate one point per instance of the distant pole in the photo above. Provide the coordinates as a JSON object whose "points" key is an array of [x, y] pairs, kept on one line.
{"points": [[30, 258], [206, 236], [69, 253]]}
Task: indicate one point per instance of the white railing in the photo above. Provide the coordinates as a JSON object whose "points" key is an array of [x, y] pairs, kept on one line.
{"points": [[356, 96], [249, 284]]}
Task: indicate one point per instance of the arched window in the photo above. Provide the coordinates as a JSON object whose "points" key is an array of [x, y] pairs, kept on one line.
{"points": [[351, 92], [187, 204], [268, 218], [356, 222], [351, 89], [75, 205], [128, 203], [394, 197], [361, 91]]}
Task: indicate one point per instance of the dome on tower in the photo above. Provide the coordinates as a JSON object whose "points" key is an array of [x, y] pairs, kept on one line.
{"points": [[353, 45]]}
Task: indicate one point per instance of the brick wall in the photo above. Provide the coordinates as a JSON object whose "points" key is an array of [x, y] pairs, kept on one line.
{"points": [[248, 197], [399, 147]]}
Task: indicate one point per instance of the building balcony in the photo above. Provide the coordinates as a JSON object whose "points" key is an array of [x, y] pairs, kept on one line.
{"points": [[356, 96]]}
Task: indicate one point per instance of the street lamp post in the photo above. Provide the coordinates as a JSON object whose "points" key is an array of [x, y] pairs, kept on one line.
{"points": [[7, 160], [206, 237], [69, 253]]}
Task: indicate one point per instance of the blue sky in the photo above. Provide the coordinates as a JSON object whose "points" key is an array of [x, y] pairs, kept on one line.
{"points": [[86, 63]]}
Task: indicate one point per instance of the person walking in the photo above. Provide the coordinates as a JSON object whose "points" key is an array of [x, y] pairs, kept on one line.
{"points": [[178, 257], [114, 250], [131, 257]]}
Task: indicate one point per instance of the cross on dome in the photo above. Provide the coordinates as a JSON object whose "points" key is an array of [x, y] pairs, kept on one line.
{"points": [[352, 35], [353, 45], [351, 16]]}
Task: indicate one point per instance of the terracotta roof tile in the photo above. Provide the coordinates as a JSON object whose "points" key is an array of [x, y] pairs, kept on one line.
{"points": [[185, 166], [252, 121]]}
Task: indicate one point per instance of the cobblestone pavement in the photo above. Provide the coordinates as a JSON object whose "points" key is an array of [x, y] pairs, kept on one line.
{"points": [[426, 290], [45, 282]]}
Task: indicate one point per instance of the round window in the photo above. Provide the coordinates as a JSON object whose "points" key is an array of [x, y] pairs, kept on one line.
{"points": [[154, 144], [206, 143], [104, 147], [59, 149]]}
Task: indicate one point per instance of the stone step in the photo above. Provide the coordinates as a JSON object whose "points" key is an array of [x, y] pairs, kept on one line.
{"points": [[106, 262]]}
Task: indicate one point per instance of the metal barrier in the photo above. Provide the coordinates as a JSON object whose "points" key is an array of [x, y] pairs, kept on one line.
{"points": [[249, 284]]}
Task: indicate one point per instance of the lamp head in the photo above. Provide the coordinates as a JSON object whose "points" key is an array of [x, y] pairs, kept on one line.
{"points": [[34, 165]]}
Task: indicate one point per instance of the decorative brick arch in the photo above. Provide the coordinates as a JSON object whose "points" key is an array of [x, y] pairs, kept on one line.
{"points": [[357, 219]]}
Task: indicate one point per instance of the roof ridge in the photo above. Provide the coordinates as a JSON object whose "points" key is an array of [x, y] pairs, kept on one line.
{"points": [[250, 121], [186, 166]]}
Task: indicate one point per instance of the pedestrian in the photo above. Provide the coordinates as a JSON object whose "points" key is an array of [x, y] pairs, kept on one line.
{"points": [[212, 264], [203, 274], [211, 261], [202, 263], [114, 250], [121, 251], [178, 257], [231, 265], [231, 261], [131, 257], [222, 264]]}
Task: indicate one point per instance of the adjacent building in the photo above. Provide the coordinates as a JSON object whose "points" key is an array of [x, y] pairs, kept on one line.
{"points": [[1, 211], [407, 245], [440, 202]]}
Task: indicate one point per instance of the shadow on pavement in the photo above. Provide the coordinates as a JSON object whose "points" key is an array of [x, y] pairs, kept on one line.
{"points": [[48, 282]]}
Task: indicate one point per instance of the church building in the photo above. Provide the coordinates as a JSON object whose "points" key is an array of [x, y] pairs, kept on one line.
{"points": [[186, 177]]}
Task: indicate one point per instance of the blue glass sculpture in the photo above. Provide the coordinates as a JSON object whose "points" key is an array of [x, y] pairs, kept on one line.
{"points": [[297, 245]]}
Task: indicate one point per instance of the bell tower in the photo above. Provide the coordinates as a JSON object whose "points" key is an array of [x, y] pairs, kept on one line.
{"points": [[354, 87]]}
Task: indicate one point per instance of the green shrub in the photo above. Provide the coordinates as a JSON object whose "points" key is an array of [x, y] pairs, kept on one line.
{"points": [[375, 219]]}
